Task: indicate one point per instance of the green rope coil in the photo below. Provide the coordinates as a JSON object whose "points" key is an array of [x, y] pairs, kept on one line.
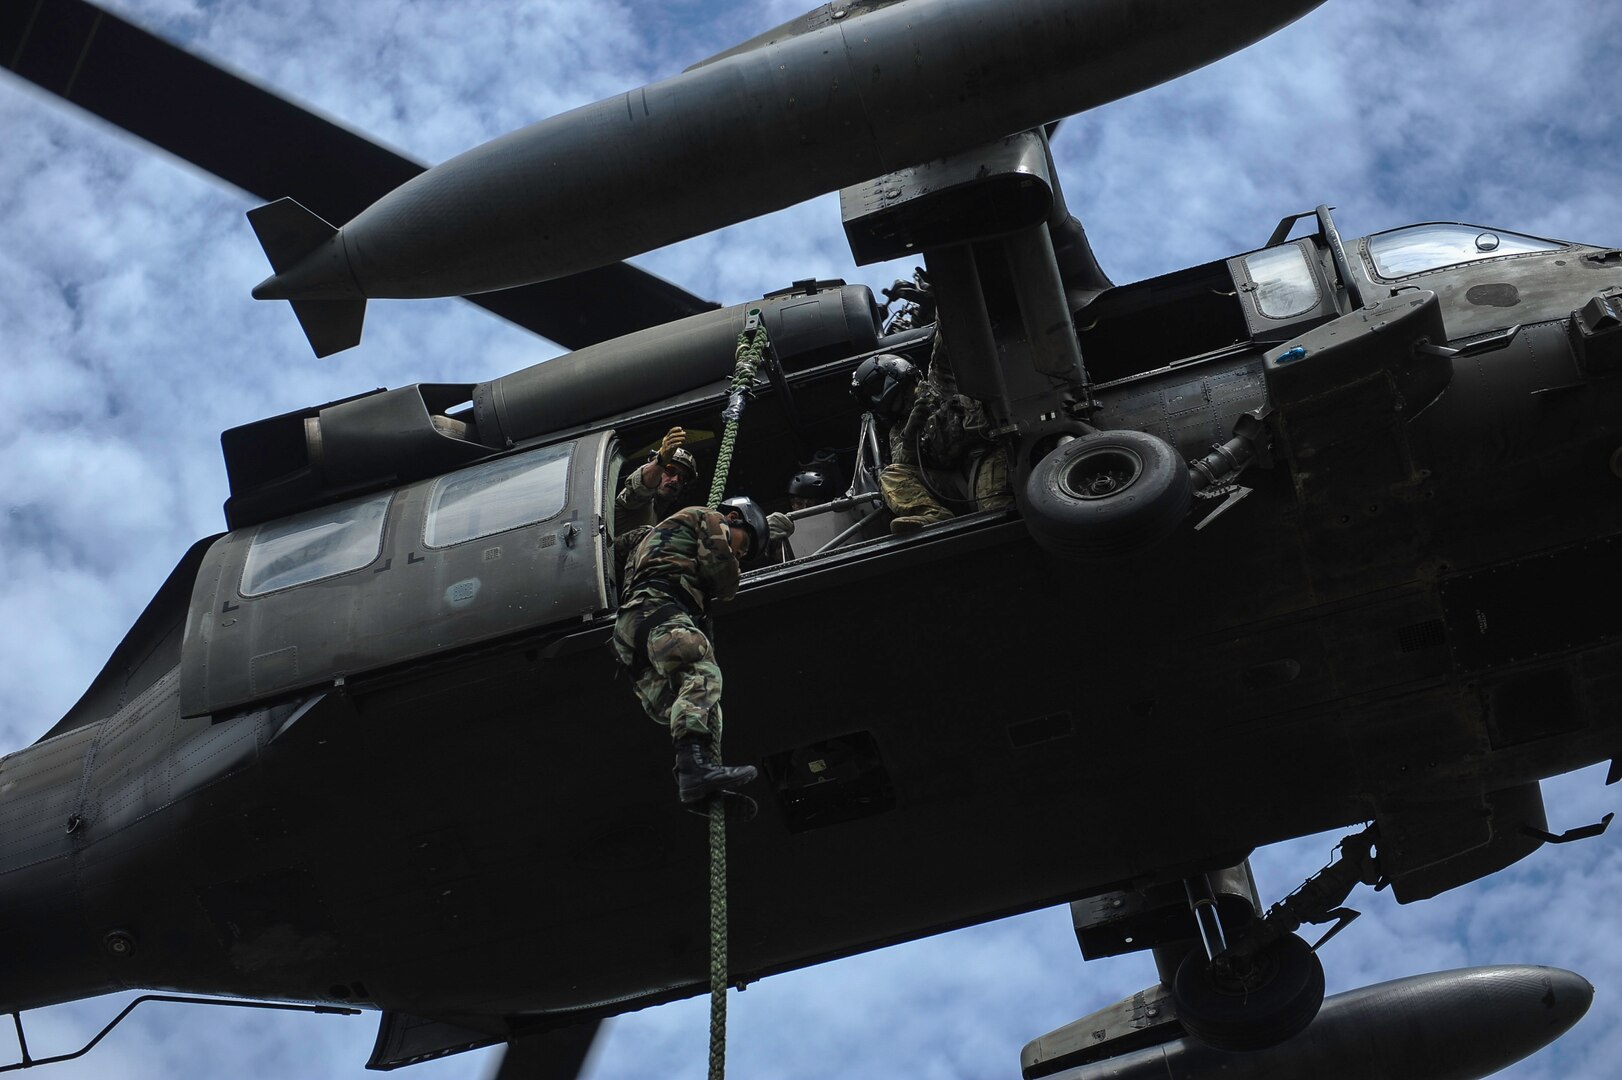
{"points": [[752, 345]]}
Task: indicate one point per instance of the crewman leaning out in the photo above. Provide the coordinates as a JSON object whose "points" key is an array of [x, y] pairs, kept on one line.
{"points": [[655, 490]]}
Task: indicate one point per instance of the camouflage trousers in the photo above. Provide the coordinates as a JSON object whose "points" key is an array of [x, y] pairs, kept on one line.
{"points": [[680, 684], [903, 490], [902, 487], [992, 488]]}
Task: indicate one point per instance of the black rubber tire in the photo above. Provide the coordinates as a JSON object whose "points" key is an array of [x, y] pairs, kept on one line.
{"points": [[1283, 994], [1107, 494]]}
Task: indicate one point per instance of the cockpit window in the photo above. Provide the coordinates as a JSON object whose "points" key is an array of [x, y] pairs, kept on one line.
{"points": [[1430, 247], [1284, 283], [319, 544], [497, 496]]}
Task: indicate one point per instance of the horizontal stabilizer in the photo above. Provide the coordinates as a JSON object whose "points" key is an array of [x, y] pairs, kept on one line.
{"points": [[331, 325], [288, 233]]}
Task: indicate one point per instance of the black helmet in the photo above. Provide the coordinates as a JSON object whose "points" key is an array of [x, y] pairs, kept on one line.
{"points": [[753, 522], [880, 383], [812, 485], [686, 460]]}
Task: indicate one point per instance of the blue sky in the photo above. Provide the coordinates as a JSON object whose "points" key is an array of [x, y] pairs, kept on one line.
{"points": [[128, 341]]}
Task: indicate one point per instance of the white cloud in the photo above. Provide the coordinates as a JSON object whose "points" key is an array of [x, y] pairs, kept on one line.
{"points": [[128, 342]]}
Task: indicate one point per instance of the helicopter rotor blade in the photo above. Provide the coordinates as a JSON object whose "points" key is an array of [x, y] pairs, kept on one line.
{"points": [[559, 1054], [241, 132]]}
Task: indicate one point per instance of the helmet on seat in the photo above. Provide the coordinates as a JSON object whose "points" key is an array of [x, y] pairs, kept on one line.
{"points": [[813, 486]]}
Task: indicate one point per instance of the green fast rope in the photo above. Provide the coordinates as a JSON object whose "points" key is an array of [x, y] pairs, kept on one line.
{"points": [[718, 926], [752, 346]]}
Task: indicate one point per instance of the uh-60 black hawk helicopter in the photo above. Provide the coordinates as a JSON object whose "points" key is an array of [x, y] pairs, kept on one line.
{"points": [[1360, 455]]}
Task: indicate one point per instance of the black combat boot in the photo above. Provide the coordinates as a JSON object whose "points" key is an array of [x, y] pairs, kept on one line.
{"points": [[697, 778]]}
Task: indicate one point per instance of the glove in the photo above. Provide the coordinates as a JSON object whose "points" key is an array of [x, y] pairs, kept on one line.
{"points": [[779, 526], [672, 442]]}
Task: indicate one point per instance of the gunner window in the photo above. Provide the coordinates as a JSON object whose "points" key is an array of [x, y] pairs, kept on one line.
{"points": [[1285, 286], [501, 495], [319, 544], [1418, 248]]}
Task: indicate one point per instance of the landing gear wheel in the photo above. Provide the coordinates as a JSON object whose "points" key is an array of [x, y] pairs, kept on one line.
{"points": [[1107, 494], [1259, 1005]]}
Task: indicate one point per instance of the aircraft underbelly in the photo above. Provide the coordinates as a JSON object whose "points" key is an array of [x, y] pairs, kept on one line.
{"points": [[1188, 760], [522, 838]]}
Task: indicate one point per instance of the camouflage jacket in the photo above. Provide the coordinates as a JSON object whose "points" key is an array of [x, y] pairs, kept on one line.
{"points": [[943, 425], [688, 551], [636, 502]]}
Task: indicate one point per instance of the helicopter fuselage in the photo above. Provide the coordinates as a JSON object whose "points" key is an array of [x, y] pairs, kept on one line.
{"points": [[417, 783]]}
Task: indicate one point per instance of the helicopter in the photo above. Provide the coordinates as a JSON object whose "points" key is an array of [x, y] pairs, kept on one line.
{"points": [[1233, 247]]}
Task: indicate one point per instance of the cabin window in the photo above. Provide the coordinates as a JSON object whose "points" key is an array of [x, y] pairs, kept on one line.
{"points": [[1419, 248], [497, 496], [1285, 285], [314, 545]]}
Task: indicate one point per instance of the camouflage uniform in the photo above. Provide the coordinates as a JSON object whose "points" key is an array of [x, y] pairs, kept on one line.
{"points": [[948, 429], [624, 544], [682, 564], [993, 490], [637, 503], [638, 507]]}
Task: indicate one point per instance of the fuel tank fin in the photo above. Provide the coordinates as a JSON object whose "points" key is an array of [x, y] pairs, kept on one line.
{"points": [[296, 239]]}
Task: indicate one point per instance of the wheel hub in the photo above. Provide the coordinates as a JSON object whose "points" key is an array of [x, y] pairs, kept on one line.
{"points": [[1102, 474], [1238, 977]]}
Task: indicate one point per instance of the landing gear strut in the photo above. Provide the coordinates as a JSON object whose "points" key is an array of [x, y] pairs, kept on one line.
{"points": [[1266, 984], [1248, 1003]]}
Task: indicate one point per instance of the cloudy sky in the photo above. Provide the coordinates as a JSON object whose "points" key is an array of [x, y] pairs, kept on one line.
{"points": [[128, 341]]}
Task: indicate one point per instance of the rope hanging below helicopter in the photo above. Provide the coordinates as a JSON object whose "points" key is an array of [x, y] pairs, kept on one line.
{"points": [[751, 350]]}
